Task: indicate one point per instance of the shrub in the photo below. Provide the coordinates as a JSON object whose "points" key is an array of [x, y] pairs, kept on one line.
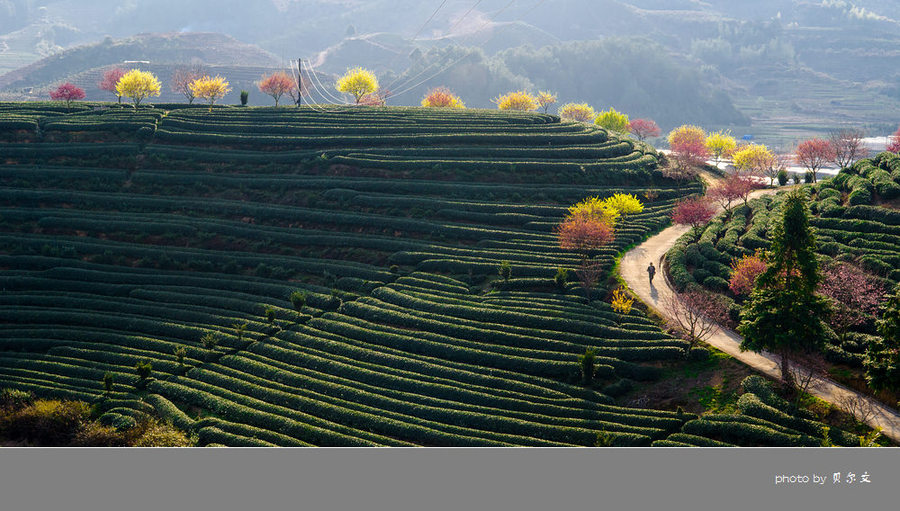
{"points": [[95, 434], [245, 95], [698, 354], [298, 300], [160, 434], [716, 283], [587, 365], [561, 278], [108, 381], [117, 421], [782, 177], [210, 340], [619, 388], [143, 369], [46, 422], [505, 270], [13, 399]]}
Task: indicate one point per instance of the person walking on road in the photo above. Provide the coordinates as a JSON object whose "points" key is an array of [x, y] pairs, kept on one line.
{"points": [[651, 270]]}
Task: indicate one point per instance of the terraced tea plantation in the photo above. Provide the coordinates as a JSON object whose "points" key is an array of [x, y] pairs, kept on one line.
{"points": [[299, 277]]}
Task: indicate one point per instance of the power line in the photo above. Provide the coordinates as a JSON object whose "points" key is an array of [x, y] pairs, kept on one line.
{"points": [[316, 88], [455, 62], [428, 20], [460, 20], [326, 94], [300, 81]]}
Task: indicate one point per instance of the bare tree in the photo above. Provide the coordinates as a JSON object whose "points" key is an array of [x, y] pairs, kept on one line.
{"points": [[588, 275], [182, 78], [696, 314], [858, 406], [846, 146], [804, 371], [680, 168]]}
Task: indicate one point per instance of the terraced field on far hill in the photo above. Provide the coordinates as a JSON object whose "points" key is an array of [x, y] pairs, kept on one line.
{"points": [[331, 276]]}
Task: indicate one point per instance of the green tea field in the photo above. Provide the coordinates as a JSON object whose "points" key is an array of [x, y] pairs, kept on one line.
{"points": [[329, 277]]}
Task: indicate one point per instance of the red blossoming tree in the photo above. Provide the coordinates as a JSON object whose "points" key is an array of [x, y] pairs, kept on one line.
{"points": [[856, 296], [894, 142], [67, 92], [377, 98], [109, 81], [643, 128], [696, 212], [814, 154], [584, 234], [744, 272], [734, 187], [276, 85], [688, 144], [442, 97]]}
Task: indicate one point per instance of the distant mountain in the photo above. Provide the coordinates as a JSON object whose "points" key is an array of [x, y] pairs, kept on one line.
{"points": [[158, 49]]}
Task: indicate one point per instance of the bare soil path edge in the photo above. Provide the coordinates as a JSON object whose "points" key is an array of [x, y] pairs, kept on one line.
{"points": [[633, 269]]}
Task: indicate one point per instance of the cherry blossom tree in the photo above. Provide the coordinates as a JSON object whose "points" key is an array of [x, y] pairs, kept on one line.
{"points": [[110, 79], [894, 143], [643, 129], [67, 92], [276, 85], [584, 234], [744, 272], [695, 211], [688, 144], [814, 154], [856, 296], [735, 186]]}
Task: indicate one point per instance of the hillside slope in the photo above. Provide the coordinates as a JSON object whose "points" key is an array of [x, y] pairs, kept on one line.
{"points": [[331, 276]]}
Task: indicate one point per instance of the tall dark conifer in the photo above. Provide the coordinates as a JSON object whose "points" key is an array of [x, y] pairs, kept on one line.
{"points": [[784, 314]]}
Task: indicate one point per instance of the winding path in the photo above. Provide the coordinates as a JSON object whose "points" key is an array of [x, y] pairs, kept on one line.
{"points": [[633, 269]]}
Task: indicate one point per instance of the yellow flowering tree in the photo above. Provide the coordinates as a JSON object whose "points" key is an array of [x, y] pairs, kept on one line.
{"points": [[358, 82], [596, 209], [138, 85], [545, 99], [613, 120], [625, 203], [720, 145], [519, 100], [581, 112], [621, 302], [756, 159], [210, 89]]}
